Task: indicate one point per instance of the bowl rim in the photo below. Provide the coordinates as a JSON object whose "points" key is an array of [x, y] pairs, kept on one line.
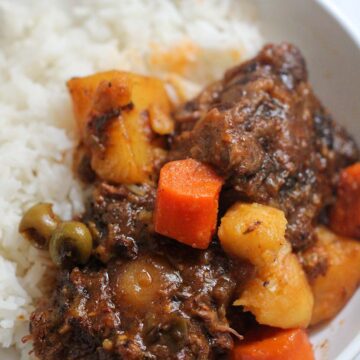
{"points": [[352, 350], [338, 14]]}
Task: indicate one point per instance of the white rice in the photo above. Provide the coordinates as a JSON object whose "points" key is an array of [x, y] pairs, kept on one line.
{"points": [[44, 43]]}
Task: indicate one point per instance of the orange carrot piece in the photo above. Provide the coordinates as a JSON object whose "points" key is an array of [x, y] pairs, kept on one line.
{"points": [[275, 344], [187, 202], [345, 214]]}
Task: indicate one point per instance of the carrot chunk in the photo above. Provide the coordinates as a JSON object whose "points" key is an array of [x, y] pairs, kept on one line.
{"points": [[187, 202], [345, 214], [274, 344]]}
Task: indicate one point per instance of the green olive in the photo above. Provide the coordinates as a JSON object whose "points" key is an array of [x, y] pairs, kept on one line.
{"points": [[171, 331], [71, 243], [38, 223], [175, 333]]}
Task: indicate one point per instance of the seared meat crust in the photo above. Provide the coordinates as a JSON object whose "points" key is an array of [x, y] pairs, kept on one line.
{"points": [[263, 128]]}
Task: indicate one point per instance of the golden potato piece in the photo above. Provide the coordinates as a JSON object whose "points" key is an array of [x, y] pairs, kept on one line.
{"points": [[342, 276], [118, 114], [83, 89], [279, 295]]}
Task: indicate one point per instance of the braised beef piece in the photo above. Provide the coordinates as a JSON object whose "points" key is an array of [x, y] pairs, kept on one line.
{"points": [[168, 303], [263, 128], [120, 218]]}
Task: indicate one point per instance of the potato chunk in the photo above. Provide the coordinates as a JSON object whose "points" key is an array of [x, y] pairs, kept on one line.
{"points": [[279, 295], [118, 116], [342, 277]]}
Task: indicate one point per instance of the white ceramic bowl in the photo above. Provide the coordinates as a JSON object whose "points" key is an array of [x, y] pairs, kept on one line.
{"points": [[332, 50]]}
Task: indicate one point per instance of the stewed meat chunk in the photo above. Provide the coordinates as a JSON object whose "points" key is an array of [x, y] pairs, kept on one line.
{"points": [[263, 128], [165, 304]]}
